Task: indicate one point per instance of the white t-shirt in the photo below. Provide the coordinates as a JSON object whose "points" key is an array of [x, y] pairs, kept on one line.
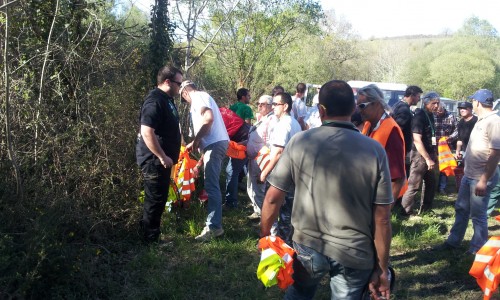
{"points": [[284, 130], [299, 108], [313, 119], [218, 131]]}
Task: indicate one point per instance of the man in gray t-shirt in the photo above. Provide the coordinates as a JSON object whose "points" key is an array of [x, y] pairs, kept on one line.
{"points": [[341, 214]]}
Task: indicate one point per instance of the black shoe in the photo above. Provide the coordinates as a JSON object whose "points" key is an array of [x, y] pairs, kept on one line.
{"points": [[443, 247]]}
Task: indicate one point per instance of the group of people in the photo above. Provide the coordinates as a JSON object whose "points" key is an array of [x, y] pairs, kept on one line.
{"points": [[326, 189]]}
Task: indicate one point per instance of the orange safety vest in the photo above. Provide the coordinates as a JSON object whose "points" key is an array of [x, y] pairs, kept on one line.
{"points": [[486, 266], [286, 255], [263, 157], [382, 134], [236, 150], [183, 175], [447, 162]]}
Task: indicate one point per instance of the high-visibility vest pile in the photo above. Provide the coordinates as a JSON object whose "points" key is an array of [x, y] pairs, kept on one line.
{"points": [[486, 266], [447, 162], [183, 176], [276, 262]]}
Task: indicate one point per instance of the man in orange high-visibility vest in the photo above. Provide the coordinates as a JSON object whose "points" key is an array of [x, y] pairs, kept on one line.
{"points": [[382, 128]]}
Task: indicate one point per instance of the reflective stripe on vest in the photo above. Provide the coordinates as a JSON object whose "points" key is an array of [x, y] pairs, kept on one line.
{"points": [[447, 162], [382, 134], [263, 157], [486, 266], [183, 175]]}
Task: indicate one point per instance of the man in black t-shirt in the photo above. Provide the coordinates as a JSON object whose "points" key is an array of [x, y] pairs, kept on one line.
{"points": [[423, 156], [464, 127], [158, 146], [403, 115]]}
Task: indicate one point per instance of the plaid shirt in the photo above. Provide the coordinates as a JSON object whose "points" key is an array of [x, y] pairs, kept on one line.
{"points": [[445, 124]]}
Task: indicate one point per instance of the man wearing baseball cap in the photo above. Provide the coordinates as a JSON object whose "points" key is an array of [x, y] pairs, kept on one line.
{"points": [[480, 174], [464, 127], [211, 139]]}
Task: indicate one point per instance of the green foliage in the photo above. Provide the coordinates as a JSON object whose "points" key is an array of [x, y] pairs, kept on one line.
{"points": [[161, 45], [457, 66]]}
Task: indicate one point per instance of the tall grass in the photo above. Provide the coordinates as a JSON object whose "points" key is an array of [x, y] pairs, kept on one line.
{"points": [[122, 267]]}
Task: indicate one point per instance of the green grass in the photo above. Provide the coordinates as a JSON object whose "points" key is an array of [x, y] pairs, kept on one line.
{"points": [[121, 267]]}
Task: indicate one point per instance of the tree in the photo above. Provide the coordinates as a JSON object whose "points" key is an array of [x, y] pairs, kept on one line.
{"points": [[251, 41], [161, 42]]}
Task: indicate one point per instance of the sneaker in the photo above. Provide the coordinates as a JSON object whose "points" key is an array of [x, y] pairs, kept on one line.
{"points": [[207, 234], [254, 216]]}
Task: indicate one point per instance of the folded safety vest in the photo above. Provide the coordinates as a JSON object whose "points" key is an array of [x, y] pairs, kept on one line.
{"points": [[276, 262], [235, 150], [183, 176], [263, 157], [447, 162], [486, 266]]}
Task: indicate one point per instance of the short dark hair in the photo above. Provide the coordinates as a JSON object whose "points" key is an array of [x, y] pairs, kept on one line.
{"points": [[337, 98], [286, 98], [167, 72], [413, 90], [276, 88], [301, 88], [241, 92]]}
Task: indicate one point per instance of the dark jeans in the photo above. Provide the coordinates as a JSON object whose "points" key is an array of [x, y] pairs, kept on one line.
{"points": [[419, 174], [156, 185], [310, 266]]}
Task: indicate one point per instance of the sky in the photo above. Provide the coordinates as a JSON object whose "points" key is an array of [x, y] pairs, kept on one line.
{"points": [[389, 18]]}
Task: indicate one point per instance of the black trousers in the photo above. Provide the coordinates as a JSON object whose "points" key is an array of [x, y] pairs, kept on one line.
{"points": [[156, 185]]}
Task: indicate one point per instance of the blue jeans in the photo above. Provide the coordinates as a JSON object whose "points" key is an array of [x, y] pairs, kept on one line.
{"points": [[213, 156], [468, 204], [443, 180], [233, 170], [311, 266]]}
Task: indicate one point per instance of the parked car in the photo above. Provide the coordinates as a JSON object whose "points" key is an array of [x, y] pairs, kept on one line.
{"points": [[451, 105], [393, 92]]}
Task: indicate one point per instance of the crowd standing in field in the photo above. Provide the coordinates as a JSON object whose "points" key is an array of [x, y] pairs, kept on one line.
{"points": [[325, 179]]}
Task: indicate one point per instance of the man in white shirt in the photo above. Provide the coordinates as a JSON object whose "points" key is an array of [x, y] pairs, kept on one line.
{"points": [[286, 128], [212, 140], [299, 109]]}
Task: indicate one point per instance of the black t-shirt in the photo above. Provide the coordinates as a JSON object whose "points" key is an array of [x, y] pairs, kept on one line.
{"points": [[403, 115], [159, 112], [423, 123], [464, 129]]}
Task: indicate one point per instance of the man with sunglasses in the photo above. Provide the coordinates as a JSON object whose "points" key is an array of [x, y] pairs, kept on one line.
{"points": [[382, 128], [423, 156], [158, 146], [286, 128], [258, 137]]}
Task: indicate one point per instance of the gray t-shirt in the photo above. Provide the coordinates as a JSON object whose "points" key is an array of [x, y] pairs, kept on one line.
{"points": [[484, 137], [339, 174]]}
